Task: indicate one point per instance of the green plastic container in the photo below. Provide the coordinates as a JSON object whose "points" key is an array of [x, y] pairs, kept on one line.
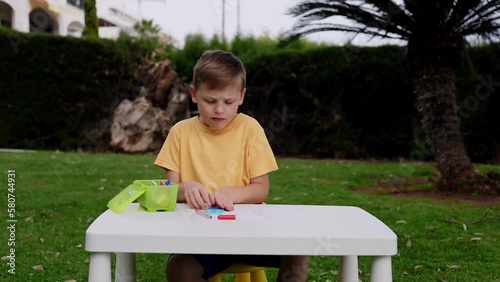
{"points": [[149, 193]]}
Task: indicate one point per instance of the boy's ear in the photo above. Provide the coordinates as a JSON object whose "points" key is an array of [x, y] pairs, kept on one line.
{"points": [[242, 97], [193, 94]]}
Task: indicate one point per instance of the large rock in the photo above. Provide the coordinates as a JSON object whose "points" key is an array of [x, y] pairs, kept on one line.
{"points": [[137, 126], [141, 126]]}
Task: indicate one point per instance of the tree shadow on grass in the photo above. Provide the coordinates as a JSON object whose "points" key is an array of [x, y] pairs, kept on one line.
{"points": [[424, 188]]}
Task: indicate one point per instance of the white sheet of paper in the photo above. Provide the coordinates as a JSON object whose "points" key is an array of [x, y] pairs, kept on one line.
{"points": [[268, 213]]}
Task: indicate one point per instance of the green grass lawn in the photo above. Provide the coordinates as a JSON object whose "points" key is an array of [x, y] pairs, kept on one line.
{"points": [[59, 194]]}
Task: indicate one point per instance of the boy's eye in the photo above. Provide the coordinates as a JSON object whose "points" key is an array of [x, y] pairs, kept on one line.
{"points": [[210, 101], [229, 102]]}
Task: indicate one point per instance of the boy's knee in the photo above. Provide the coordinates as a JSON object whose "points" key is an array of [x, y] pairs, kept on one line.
{"points": [[298, 262], [182, 268], [293, 269]]}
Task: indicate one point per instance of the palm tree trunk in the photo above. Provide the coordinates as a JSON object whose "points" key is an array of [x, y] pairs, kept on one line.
{"points": [[435, 90], [433, 66]]}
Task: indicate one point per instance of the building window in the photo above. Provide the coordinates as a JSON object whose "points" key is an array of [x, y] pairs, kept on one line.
{"points": [[76, 3], [6, 23], [6, 14]]}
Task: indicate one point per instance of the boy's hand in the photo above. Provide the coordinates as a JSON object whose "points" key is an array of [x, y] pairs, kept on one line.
{"points": [[196, 195], [223, 199]]}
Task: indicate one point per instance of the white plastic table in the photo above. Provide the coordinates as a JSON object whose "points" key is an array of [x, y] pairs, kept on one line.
{"points": [[344, 231]]}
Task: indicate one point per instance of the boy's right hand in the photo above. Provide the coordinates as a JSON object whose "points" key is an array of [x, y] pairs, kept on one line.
{"points": [[196, 195]]}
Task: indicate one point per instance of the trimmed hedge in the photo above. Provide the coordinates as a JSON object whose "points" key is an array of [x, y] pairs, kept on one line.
{"points": [[478, 98], [59, 92], [344, 102], [333, 102], [352, 102]]}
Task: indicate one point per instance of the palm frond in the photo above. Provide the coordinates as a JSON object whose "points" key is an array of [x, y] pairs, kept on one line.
{"points": [[460, 11], [377, 21], [337, 27], [485, 28], [394, 12], [385, 18], [477, 9], [485, 14]]}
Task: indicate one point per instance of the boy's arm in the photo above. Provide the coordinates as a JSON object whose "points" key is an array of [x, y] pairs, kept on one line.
{"points": [[254, 193], [197, 196], [176, 178]]}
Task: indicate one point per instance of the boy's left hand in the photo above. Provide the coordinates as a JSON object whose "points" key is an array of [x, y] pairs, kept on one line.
{"points": [[222, 198]]}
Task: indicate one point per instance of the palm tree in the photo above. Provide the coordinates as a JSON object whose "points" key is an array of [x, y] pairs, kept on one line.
{"points": [[148, 36], [147, 29], [436, 32]]}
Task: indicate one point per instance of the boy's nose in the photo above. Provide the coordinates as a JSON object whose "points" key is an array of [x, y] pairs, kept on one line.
{"points": [[219, 109]]}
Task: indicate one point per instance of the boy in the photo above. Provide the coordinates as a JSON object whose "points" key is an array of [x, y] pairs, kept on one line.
{"points": [[221, 157]]}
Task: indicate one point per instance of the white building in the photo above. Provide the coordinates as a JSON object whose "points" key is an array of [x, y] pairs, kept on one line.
{"points": [[63, 17], [115, 18]]}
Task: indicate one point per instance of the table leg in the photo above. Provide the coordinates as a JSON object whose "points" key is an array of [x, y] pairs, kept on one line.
{"points": [[125, 267], [100, 267], [348, 269], [381, 269]]}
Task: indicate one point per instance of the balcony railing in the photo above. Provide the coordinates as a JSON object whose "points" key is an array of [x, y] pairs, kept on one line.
{"points": [[76, 3]]}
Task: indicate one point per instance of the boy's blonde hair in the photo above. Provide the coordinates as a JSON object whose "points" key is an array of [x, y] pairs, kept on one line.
{"points": [[217, 69]]}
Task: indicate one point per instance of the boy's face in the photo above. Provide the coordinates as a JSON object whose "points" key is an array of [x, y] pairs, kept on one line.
{"points": [[218, 107]]}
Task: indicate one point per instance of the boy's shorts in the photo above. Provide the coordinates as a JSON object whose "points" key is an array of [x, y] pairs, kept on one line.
{"points": [[213, 264]]}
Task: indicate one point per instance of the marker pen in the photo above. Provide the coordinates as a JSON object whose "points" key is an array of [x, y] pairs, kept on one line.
{"points": [[226, 217], [204, 214]]}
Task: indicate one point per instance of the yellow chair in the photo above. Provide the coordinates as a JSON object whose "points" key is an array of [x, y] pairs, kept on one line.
{"points": [[244, 273]]}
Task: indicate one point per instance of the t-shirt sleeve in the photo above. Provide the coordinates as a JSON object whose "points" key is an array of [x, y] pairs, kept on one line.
{"points": [[169, 155], [260, 156]]}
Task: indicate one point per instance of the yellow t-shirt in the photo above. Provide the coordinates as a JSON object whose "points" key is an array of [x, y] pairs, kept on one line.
{"points": [[217, 157]]}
